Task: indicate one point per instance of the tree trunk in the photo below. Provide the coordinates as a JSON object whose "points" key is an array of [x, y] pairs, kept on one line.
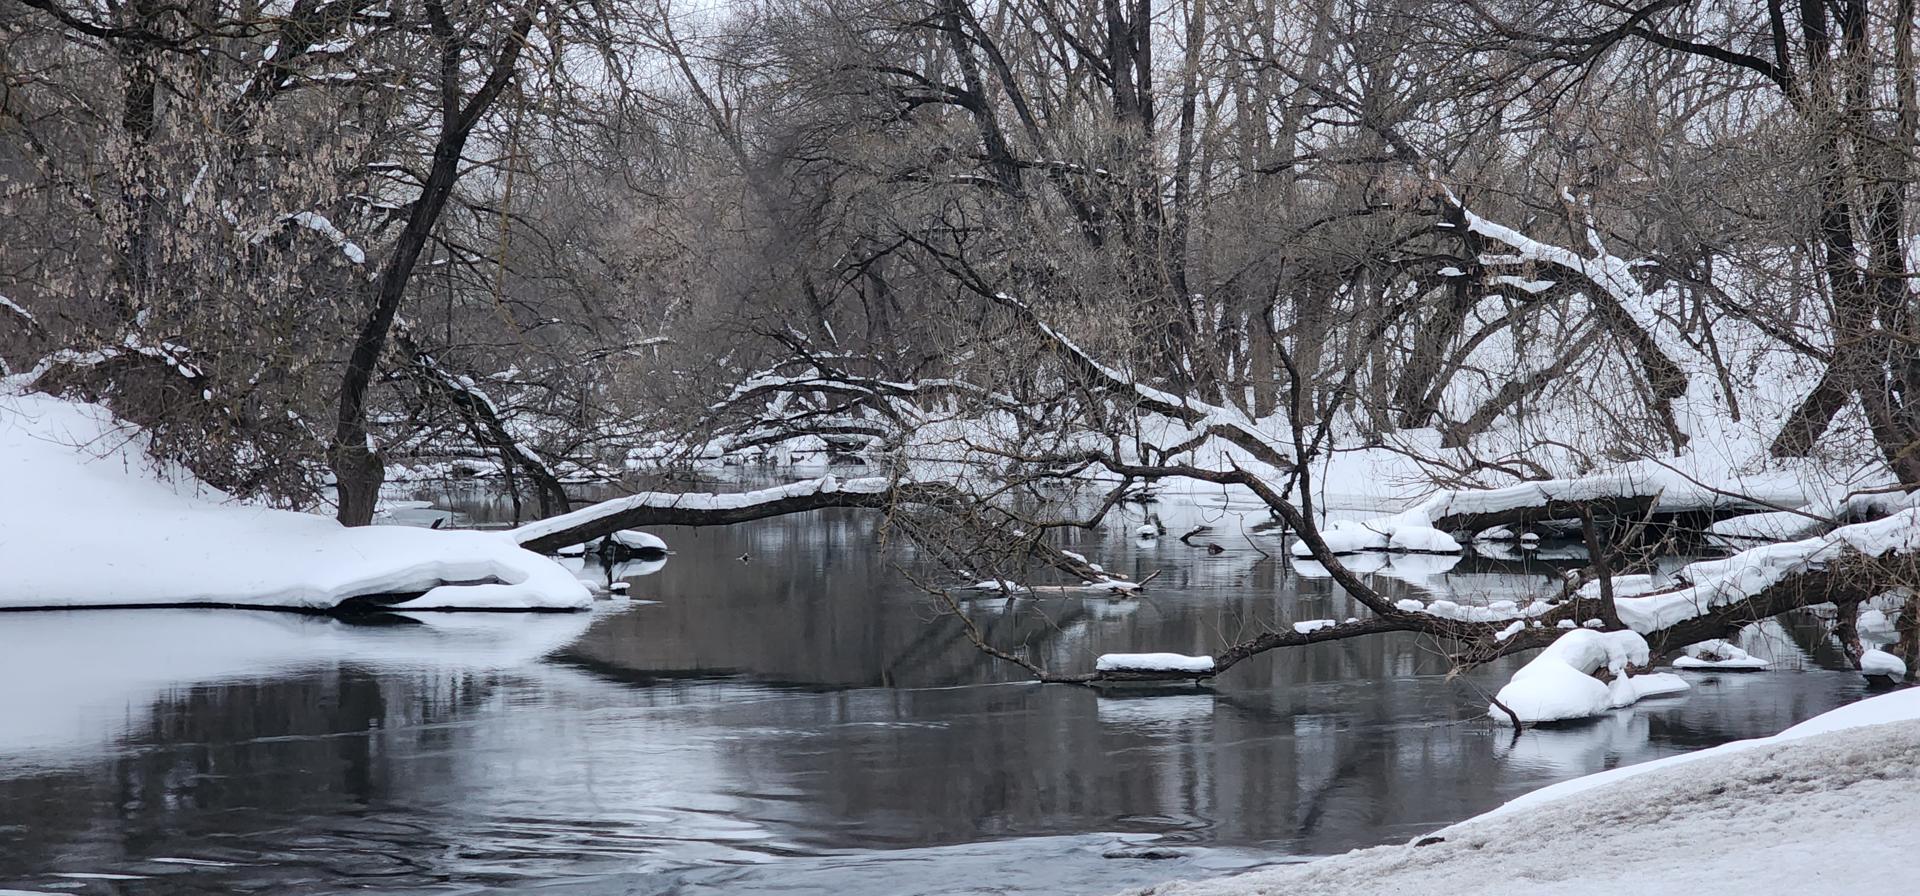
{"points": [[357, 468]]}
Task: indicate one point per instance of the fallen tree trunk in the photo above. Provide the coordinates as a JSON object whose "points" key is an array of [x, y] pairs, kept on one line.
{"points": [[1606, 496], [962, 511], [709, 509]]}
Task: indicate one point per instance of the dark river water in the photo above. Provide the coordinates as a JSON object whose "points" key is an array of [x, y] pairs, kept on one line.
{"points": [[799, 721]]}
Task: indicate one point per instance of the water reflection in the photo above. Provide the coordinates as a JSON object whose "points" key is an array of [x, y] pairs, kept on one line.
{"points": [[800, 721]]}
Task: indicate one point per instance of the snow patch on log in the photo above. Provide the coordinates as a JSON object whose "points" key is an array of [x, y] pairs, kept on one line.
{"points": [[1153, 662], [1718, 655]]}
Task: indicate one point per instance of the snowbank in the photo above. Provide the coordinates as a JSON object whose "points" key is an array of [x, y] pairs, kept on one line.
{"points": [[1559, 685], [1806, 811], [1152, 662], [87, 523]]}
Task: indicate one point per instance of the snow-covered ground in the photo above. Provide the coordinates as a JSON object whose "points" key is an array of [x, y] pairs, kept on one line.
{"points": [[1808, 811], [86, 522]]}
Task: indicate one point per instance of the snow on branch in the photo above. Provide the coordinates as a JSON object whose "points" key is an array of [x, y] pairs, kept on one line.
{"points": [[487, 421], [1227, 423], [25, 317], [1811, 570], [69, 361], [1616, 294]]}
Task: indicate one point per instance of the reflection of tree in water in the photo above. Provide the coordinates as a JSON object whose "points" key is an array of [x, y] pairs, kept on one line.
{"points": [[247, 759], [1320, 769], [815, 603]]}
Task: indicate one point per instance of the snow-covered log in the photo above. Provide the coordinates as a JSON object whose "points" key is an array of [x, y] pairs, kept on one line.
{"points": [[1636, 491], [1716, 655], [710, 509]]}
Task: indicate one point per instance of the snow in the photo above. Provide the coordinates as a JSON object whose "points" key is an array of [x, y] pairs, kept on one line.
{"points": [[1312, 625], [1152, 662], [1345, 537], [1558, 684], [1805, 811], [1404, 532], [1524, 284], [1714, 583], [1880, 662], [1719, 655], [1422, 539], [319, 223], [87, 522], [1624, 586], [14, 307], [636, 540], [1627, 690]]}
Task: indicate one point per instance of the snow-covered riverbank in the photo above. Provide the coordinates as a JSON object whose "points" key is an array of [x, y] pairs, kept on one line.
{"points": [[1807, 811], [86, 522]]}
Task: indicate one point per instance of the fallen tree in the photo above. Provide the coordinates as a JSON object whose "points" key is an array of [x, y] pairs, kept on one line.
{"points": [[954, 507], [1847, 565]]}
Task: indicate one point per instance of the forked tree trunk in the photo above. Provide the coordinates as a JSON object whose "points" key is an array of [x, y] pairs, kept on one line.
{"points": [[357, 468]]}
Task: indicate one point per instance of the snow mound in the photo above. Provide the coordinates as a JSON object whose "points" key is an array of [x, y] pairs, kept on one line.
{"points": [[1152, 662], [1422, 540], [636, 540], [1345, 537], [1409, 532], [1719, 655], [87, 522], [1880, 662], [1559, 685]]}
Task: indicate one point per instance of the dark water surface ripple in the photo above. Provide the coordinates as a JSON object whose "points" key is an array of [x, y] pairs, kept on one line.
{"points": [[799, 722]]}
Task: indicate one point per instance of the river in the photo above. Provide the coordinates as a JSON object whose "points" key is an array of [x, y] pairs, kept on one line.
{"points": [[778, 709]]}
